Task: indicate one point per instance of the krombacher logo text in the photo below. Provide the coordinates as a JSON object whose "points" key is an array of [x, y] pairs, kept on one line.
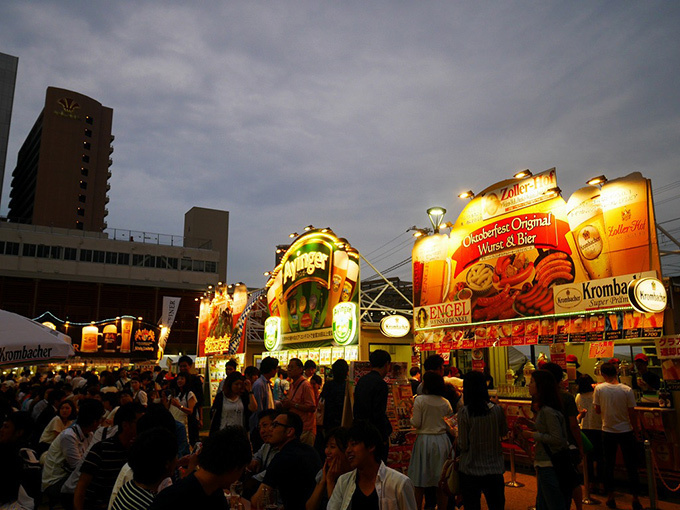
{"points": [[608, 290]]}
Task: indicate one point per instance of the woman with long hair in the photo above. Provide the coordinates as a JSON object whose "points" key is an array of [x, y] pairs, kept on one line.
{"points": [[550, 433], [481, 425], [432, 445], [182, 404], [234, 404], [336, 464]]}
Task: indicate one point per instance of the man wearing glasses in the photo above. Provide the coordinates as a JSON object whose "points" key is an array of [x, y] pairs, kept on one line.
{"points": [[293, 471]]}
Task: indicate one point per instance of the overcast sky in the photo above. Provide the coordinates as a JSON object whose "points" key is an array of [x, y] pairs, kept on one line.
{"points": [[353, 115]]}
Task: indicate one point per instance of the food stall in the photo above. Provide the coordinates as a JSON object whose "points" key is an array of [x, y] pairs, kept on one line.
{"points": [[524, 275], [221, 326]]}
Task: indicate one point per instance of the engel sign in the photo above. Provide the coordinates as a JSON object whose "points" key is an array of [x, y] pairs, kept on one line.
{"points": [[395, 326], [648, 295]]}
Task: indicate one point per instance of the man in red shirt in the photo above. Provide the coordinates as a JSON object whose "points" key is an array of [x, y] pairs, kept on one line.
{"points": [[301, 401]]}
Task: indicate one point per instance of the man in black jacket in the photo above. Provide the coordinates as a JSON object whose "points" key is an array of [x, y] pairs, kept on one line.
{"points": [[370, 396]]}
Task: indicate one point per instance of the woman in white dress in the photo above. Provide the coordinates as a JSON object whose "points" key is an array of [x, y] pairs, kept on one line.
{"points": [[432, 445], [182, 405]]}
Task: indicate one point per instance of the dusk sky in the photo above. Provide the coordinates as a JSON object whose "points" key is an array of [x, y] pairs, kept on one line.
{"points": [[353, 115]]}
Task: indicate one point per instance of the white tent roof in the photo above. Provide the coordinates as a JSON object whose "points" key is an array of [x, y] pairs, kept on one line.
{"points": [[26, 342]]}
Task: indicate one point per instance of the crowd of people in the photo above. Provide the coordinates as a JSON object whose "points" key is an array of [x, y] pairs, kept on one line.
{"points": [[130, 440]]}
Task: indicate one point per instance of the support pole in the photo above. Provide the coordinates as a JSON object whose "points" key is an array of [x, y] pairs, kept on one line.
{"points": [[513, 474], [651, 480]]}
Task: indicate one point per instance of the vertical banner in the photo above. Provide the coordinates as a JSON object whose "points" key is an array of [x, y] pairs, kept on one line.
{"points": [[170, 307]]}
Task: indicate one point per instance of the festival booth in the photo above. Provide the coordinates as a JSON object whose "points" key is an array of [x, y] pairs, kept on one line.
{"points": [[221, 330], [525, 276]]}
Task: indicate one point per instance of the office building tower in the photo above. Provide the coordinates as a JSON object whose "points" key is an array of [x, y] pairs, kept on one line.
{"points": [[8, 78], [62, 172]]}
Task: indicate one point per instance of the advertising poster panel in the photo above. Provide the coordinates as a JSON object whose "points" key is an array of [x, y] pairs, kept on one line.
{"points": [[313, 294], [519, 251], [122, 337], [215, 323]]}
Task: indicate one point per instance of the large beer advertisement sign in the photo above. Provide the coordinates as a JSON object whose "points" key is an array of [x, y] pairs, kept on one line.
{"points": [[317, 273], [518, 250], [122, 337]]}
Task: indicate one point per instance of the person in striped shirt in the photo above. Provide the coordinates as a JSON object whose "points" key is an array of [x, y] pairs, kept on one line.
{"points": [[152, 458]]}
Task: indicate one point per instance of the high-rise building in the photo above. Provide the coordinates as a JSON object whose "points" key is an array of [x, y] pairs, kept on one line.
{"points": [[8, 78], [62, 172]]}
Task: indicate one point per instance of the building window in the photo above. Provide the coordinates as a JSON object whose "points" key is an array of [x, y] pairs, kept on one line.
{"points": [[84, 171], [81, 211], [137, 260], [123, 259], [83, 185], [186, 265], [82, 198], [210, 267], [43, 252], [111, 257], [86, 146], [86, 158], [29, 250], [88, 133], [79, 225], [70, 253], [198, 265], [85, 255], [11, 248], [99, 256], [89, 120]]}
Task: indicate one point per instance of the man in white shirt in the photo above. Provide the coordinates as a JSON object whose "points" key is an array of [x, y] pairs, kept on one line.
{"points": [[67, 450], [370, 484], [615, 402]]}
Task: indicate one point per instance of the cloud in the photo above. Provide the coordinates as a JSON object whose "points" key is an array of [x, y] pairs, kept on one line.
{"points": [[350, 115]]}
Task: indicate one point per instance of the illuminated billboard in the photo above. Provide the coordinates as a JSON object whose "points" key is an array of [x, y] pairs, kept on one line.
{"points": [[317, 273], [519, 251]]}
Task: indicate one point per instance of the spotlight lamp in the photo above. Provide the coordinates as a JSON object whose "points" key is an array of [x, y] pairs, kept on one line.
{"points": [[523, 174], [267, 273], [467, 194], [293, 235], [309, 227], [420, 232], [597, 181], [553, 191]]}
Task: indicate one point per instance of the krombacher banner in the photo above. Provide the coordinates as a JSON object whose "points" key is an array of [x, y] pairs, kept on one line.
{"points": [[317, 273]]}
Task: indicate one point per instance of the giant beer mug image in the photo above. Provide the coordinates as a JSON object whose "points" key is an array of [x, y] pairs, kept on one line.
{"points": [[431, 270], [626, 211], [586, 222]]}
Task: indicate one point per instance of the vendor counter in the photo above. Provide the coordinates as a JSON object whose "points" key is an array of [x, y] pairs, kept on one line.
{"points": [[659, 425]]}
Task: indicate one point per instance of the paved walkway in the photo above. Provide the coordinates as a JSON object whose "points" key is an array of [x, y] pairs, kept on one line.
{"points": [[521, 498]]}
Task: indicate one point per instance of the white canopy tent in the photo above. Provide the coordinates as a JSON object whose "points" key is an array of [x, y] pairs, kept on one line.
{"points": [[26, 342]]}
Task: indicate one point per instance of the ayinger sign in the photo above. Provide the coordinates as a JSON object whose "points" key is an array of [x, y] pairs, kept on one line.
{"points": [[317, 274]]}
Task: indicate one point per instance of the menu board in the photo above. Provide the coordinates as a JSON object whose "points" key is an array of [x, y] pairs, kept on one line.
{"points": [[668, 352]]}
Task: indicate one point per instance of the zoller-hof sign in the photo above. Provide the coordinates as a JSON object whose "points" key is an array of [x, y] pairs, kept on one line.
{"points": [[597, 294]]}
